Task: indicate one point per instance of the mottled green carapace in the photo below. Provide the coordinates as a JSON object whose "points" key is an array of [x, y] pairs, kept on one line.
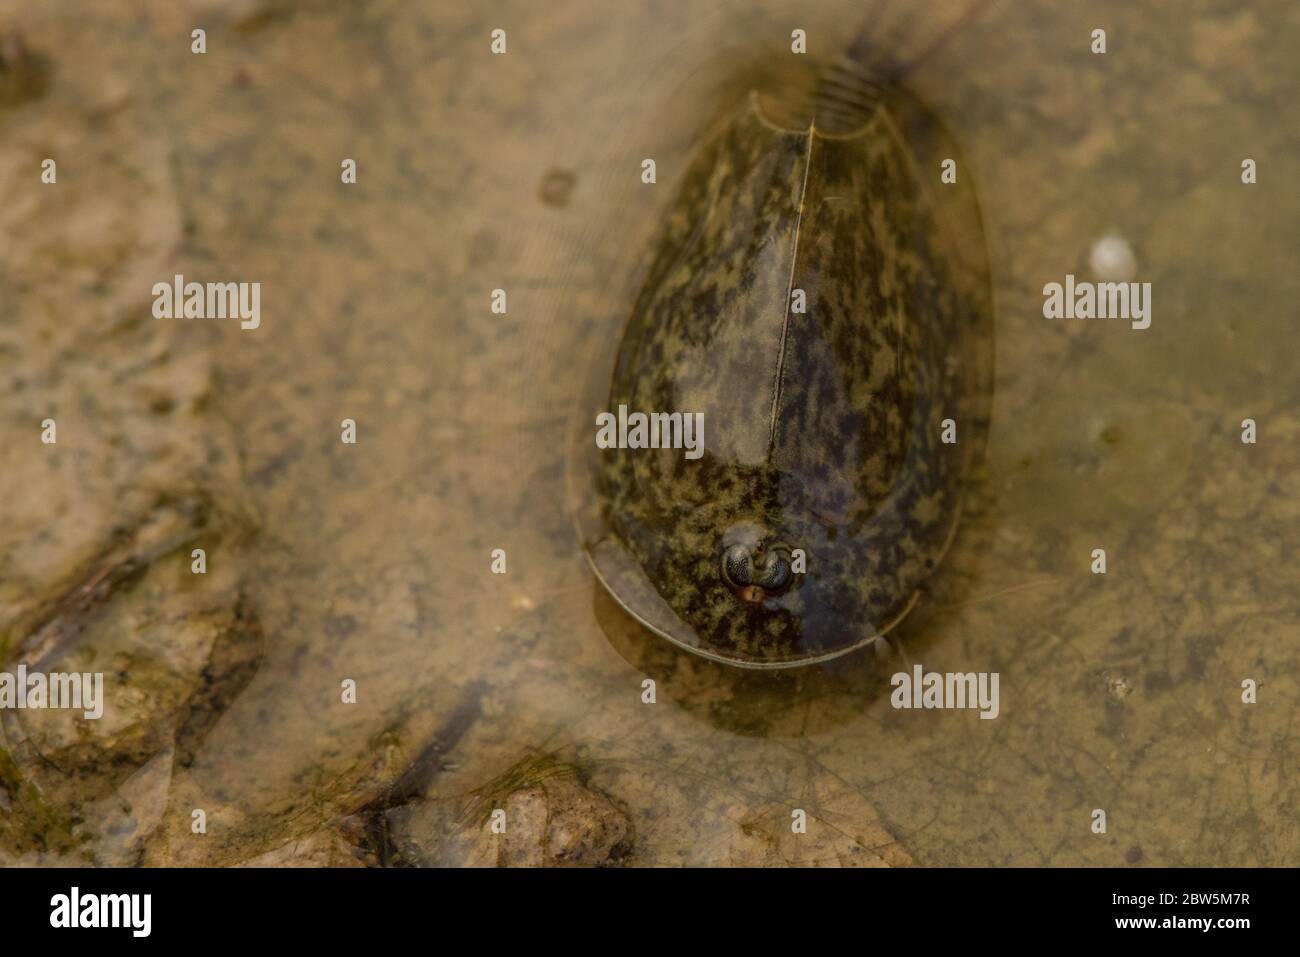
{"points": [[803, 295]]}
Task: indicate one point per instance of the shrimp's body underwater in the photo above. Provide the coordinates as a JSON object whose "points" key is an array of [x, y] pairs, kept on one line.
{"points": [[802, 296]]}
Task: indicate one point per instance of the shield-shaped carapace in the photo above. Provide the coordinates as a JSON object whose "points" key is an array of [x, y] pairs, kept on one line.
{"points": [[819, 291]]}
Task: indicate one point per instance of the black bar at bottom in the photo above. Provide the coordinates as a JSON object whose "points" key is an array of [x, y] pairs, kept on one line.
{"points": [[367, 907]]}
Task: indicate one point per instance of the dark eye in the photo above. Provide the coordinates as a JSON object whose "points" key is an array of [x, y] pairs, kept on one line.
{"points": [[738, 566], [775, 574]]}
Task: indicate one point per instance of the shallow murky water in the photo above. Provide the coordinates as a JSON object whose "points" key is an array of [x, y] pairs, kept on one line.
{"points": [[371, 561]]}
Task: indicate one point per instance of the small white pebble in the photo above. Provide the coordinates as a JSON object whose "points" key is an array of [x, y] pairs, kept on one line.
{"points": [[1112, 259]]}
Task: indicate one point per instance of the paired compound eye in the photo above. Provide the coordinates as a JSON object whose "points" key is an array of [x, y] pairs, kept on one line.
{"points": [[756, 571]]}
